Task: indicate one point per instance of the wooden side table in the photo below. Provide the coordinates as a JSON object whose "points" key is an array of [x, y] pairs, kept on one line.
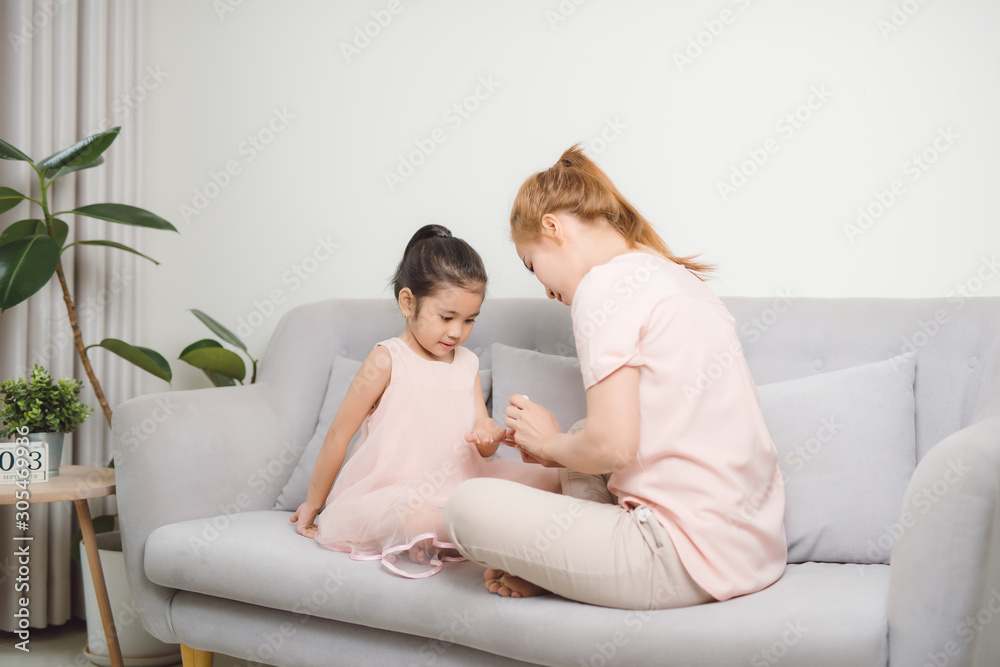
{"points": [[78, 483]]}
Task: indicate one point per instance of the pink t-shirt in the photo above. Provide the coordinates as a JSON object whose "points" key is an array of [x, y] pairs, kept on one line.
{"points": [[706, 466]]}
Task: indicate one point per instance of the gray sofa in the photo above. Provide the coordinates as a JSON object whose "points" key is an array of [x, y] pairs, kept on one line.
{"points": [[214, 566]]}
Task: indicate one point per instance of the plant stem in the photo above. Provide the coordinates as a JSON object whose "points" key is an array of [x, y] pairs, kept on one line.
{"points": [[78, 338], [71, 311]]}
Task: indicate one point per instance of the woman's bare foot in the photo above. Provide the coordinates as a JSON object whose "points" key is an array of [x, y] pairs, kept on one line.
{"points": [[507, 585], [492, 577]]}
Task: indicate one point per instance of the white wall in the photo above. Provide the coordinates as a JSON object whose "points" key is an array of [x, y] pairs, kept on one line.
{"points": [[684, 127]]}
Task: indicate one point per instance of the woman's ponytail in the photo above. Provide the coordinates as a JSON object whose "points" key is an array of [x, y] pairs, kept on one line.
{"points": [[575, 184]]}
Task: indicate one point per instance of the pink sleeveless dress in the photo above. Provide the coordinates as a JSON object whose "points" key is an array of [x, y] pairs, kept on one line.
{"points": [[411, 454]]}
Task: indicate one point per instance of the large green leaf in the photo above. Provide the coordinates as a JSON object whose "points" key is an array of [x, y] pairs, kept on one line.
{"points": [[148, 360], [81, 153], [199, 344], [124, 214], [112, 244], [68, 169], [217, 360], [33, 227], [216, 379], [9, 199], [219, 330], [8, 152], [61, 230], [26, 264]]}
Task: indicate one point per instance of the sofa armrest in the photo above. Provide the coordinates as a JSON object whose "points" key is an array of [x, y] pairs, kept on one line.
{"points": [[944, 592], [195, 454]]}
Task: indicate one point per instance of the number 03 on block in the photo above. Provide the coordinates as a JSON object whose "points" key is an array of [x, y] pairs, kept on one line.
{"points": [[32, 458]]}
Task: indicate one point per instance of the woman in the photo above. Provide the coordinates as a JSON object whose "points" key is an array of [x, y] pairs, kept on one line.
{"points": [[673, 422]]}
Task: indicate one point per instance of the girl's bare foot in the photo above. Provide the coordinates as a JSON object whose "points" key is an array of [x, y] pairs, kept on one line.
{"points": [[507, 585], [417, 554]]}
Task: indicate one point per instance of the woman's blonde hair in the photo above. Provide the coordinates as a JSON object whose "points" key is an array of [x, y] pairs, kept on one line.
{"points": [[576, 185]]}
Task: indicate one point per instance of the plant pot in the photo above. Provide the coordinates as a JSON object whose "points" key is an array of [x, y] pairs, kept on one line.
{"points": [[139, 648], [55, 441]]}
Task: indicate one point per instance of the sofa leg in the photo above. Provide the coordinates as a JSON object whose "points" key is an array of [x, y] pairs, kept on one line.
{"points": [[192, 657]]}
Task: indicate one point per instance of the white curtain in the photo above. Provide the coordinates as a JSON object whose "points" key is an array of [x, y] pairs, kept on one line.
{"points": [[67, 70]]}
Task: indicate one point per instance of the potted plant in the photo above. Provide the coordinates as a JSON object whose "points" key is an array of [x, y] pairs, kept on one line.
{"points": [[48, 409], [31, 249], [30, 256]]}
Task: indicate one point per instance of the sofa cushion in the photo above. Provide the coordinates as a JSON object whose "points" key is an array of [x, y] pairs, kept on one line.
{"points": [[846, 446], [342, 372], [816, 614]]}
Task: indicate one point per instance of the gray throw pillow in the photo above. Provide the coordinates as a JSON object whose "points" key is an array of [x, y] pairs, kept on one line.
{"points": [[846, 444], [552, 381], [297, 488]]}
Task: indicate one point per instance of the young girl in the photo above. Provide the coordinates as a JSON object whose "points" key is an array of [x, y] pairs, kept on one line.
{"points": [[695, 501], [425, 424]]}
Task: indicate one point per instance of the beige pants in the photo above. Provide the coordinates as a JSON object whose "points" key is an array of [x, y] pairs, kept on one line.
{"points": [[581, 546]]}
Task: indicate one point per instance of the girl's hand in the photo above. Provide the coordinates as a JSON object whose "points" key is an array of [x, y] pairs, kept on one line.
{"points": [[304, 519], [487, 432], [532, 427], [486, 436]]}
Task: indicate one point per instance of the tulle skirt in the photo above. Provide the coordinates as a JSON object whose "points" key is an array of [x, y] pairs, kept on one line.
{"points": [[401, 523]]}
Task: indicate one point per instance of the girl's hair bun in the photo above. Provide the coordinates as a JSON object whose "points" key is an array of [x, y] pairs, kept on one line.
{"points": [[424, 233]]}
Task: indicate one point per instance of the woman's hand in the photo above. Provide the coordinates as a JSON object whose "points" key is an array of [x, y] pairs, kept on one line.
{"points": [[487, 436], [532, 426], [304, 519], [545, 463]]}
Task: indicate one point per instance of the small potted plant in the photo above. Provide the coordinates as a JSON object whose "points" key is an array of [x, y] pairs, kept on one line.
{"points": [[47, 408]]}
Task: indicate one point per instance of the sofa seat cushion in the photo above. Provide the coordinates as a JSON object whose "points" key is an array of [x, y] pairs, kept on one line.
{"points": [[816, 614]]}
